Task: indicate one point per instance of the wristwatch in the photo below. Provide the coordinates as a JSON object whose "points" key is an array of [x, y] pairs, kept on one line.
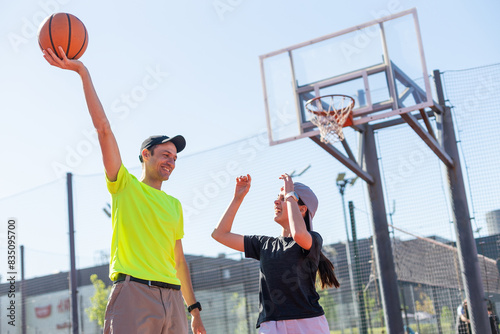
{"points": [[293, 195], [195, 305]]}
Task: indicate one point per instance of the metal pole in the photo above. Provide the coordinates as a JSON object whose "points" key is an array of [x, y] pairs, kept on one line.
{"points": [[224, 299], [381, 239], [348, 254], [437, 309], [402, 289], [343, 310], [73, 284], [247, 293], [414, 308], [23, 293], [466, 245], [359, 286]]}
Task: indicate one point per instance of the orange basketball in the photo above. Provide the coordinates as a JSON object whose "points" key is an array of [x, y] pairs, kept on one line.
{"points": [[66, 30]]}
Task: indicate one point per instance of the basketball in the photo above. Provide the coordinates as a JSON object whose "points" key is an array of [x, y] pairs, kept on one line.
{"points": [[65, 30]]}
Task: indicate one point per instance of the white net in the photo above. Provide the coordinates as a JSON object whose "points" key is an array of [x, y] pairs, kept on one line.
{"points": [[329, 114]]}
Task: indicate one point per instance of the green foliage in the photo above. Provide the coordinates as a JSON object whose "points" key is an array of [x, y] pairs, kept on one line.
{"points": [[425, 304], [328, 303], [374, 313], [238, 313], [447, 322], [375, 330], [99, 300], [370, 301]]}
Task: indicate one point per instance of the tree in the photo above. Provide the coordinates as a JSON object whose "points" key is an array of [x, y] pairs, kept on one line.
{"points": [[238, 313], [447, 319], [98, 301], [370, 305], [328, 303], [425, 304]]}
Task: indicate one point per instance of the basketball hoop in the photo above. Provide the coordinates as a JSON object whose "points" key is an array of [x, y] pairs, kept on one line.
{"points": [[330, 113]]}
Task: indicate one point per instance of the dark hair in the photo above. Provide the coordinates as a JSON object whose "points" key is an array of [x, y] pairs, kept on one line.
{"points": [[325, 267], [150, 149]]}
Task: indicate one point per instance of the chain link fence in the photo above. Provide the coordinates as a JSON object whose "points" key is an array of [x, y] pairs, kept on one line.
{"points": [[415, 187]]}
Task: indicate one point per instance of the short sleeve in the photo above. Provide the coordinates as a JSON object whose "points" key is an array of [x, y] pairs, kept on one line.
{"points": [[317, 244], [253, 245], [179, 233], [121, 182]]}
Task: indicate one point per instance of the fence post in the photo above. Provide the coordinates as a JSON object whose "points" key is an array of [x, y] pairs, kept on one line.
{"points": [[73, 283]]}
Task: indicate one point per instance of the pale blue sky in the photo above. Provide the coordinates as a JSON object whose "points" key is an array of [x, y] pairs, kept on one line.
{"points": [[209, 86], [203, 58]]}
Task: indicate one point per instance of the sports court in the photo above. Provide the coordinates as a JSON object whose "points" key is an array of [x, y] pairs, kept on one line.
{"points": [[409, 208]]}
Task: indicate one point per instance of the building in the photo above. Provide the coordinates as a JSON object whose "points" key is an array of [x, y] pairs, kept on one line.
{"points": [[427, 269]]}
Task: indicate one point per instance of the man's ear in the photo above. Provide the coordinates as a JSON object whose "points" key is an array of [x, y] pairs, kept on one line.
{"points": [[145, 154]]}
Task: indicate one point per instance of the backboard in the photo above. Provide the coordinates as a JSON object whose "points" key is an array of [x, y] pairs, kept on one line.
{"points": [[380, 64]]}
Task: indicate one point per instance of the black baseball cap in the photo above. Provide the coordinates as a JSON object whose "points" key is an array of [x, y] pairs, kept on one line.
{"points": [[178, 141]]}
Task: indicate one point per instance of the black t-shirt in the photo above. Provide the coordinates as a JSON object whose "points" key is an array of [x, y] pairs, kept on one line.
{"points": [[287, 277]]}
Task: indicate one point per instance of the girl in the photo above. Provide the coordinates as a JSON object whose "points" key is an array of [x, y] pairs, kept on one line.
{"points": [[288, 263]]}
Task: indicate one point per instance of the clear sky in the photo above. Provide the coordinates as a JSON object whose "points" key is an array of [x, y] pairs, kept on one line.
{"points": [[205, 55], [203, 58]]}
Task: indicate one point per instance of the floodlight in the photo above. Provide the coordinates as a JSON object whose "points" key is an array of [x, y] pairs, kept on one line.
{"points": [[340, 177]]}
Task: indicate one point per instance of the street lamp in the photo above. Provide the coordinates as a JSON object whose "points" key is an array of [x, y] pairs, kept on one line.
{"points": [[342, 183]]}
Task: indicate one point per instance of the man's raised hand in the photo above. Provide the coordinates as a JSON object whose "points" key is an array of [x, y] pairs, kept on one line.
{"points": [[65, 63]]}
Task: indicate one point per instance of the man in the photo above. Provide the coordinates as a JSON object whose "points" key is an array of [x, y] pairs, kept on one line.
{"points": [[147, 266], [463, 322], [492, 317]]}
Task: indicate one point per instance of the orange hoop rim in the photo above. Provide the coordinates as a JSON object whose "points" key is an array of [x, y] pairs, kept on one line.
{"points": [[350, 106]]}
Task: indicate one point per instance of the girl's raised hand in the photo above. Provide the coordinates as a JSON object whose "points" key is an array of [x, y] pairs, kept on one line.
{"points": [[288, 183], [242, 185]]}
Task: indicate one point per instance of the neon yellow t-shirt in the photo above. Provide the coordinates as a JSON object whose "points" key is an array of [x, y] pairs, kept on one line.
{"points": [[146, 224]]}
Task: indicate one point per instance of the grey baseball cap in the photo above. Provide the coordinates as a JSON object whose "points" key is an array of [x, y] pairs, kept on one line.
{"points": [[308, 198], [178, 141]]}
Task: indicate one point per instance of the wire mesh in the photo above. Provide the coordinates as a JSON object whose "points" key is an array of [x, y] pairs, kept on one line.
{"points": [[417, 205]]}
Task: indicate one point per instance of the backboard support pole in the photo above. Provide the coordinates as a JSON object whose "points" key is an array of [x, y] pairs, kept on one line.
{"points": [[381, 239], [427, 123], [348, 150], [396, 121], [428, 139], [466, 245], [351, 164]]}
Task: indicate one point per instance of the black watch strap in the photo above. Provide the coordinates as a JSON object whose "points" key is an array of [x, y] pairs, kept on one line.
{"points": [[195, 305]]}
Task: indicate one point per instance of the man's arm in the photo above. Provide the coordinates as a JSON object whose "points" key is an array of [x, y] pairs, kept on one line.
{"points": [[187, 288], [109, 147]]}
